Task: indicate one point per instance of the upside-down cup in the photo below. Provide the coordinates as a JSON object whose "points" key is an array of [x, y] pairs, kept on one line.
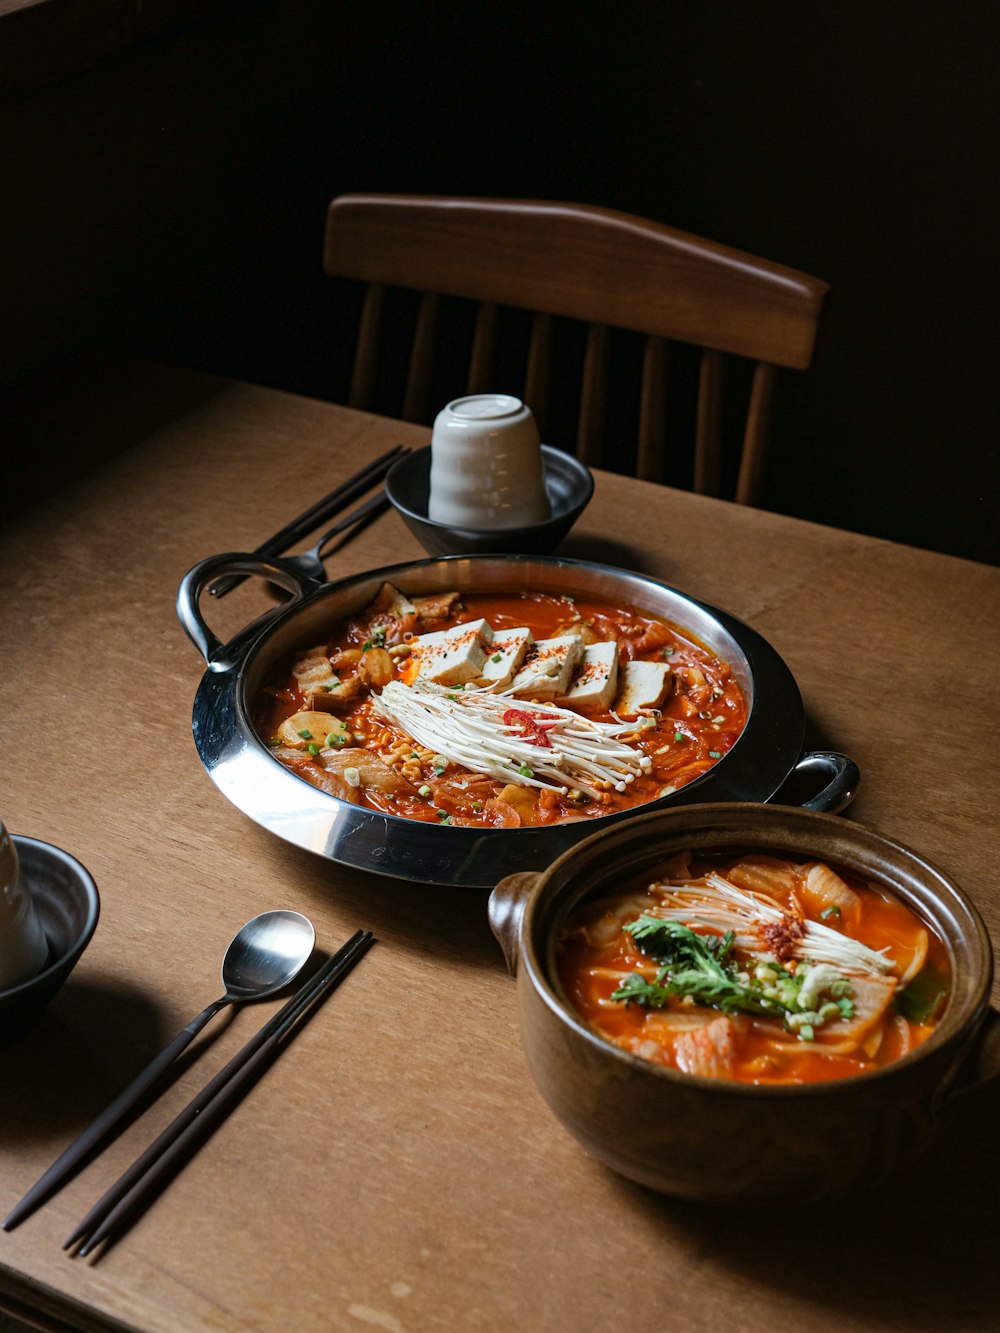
{"points": [[715, 1140], [487, 471]]}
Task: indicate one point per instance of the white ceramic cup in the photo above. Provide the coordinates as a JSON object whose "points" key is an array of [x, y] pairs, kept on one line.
{"points": [[23, 947], [486, 465]]}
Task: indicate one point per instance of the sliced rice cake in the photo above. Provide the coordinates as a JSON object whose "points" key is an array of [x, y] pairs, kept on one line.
{"points": [[596, 681], [549, 669]]}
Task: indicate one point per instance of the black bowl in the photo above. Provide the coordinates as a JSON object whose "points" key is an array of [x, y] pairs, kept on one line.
{"points": [[66, 900], [568, 484]]}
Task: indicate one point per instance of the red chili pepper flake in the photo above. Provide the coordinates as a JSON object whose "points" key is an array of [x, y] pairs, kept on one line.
{"points": [[532, 728], [781, 936]]}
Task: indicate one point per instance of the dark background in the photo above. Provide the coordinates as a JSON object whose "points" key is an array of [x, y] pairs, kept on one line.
{"points": [[167, 196]]}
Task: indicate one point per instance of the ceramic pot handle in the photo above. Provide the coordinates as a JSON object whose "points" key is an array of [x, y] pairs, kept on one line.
{"points": [[506, 912], [982, 1066]]}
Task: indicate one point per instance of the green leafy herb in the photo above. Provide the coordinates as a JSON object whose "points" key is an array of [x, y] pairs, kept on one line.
{"points": [[691, 965], [699, 966], [377, 640]]}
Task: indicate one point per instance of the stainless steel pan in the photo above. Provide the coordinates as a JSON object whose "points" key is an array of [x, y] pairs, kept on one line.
{"points": [[766, 762]]}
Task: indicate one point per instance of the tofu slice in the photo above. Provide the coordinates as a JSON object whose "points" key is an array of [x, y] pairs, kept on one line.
{"points": [[506, 654], [641, 685], [596, 681], [453, 656], [549, 669]]}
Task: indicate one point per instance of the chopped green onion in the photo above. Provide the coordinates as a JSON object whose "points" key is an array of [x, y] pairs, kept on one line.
{"points": [[525, 771], [497, 657], [314, 748], [806, 1032], [336, 738], [306, 735], [715, 754], [679, 736], [827, 912], [424, 790]]}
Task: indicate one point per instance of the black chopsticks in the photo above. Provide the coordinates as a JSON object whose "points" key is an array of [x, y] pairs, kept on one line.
{"points": [[297, 528], [136, 1188]]}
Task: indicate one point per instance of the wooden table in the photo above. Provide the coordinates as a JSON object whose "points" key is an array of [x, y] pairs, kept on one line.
{"points": [[396, 1170]]}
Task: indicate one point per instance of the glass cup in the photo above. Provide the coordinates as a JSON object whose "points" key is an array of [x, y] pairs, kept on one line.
{"points": [[486, 465]]}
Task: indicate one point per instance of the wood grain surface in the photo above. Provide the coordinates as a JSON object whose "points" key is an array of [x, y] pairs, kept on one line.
{"points": [[396, 1169]]}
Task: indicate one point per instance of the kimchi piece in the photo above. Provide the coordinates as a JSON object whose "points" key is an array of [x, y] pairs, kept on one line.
{"points": [[500, 710], [757, 970]]}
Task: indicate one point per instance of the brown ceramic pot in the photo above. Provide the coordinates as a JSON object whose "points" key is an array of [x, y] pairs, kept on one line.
{"points": [[727, 1143]]}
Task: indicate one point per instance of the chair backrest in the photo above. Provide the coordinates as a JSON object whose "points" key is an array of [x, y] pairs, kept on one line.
{"points": [[603, 271]]}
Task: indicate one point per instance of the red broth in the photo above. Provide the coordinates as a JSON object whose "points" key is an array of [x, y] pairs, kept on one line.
{"points": [[882, 1016], [699, 721]]}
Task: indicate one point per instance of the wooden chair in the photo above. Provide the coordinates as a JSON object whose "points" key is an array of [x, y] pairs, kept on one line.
{"points": [[600, 271]]}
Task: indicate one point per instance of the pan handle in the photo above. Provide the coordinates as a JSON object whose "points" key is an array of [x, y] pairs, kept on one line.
{"points": [[836, 776], [206, 571]]}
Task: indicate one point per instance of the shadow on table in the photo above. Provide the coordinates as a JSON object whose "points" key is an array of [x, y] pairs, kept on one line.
{"points": [[916, 1253], [59, 1074], [442, 920], [603, 551]]}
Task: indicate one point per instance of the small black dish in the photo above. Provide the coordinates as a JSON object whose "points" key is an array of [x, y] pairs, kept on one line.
{"points": [[66, 900], [568, 483]]}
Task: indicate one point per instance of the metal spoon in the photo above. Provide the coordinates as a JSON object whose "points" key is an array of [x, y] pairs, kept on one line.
{"points": [[263, 958], [310, 562]]}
